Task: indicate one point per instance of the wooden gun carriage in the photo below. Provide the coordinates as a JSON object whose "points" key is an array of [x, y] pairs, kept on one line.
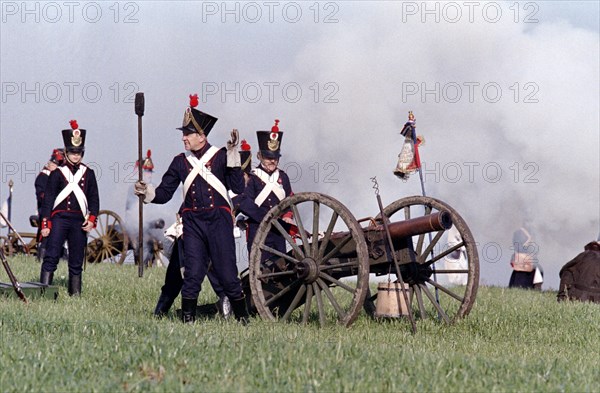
{"points": [[324, 276]]}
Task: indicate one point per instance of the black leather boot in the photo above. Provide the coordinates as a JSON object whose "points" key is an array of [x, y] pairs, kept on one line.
{"points": [[164, 305], [74, 285], [46, 277], [188, 310], [240, 311]]}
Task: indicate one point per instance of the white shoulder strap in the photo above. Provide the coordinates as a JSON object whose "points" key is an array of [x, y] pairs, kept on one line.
{"points": [[271, 186], [73, 187], [200, 169]]}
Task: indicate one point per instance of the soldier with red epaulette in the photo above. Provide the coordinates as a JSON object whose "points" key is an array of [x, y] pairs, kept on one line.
{"points": [[69, 210], [207, 174], [56, 159], [266, 187]]}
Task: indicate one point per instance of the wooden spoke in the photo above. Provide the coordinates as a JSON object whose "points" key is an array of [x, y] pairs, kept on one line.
{"points": [[327, 236], [331, 298], [420, 243], [336, 282], [279, 253], [339, 265], [431, 298], [281, 293], [294, 302], [315, 233], [450, 271], [307, 304], [320, 305], [443, 254], [276, 274], [300, 226], [337, 248], [430, 247], [288, 238], [445, 290]]}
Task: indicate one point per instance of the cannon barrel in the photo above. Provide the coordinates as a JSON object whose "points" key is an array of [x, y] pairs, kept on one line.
{"points": [[416, 226]]}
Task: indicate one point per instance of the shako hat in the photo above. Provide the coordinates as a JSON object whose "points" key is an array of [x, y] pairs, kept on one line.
{"points": [[74, 138], [58, 156], [195, 120], [246, 156], [269, 142]]}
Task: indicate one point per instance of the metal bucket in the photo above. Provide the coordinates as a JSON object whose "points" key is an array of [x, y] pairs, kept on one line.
{"points": [[390, 300]]}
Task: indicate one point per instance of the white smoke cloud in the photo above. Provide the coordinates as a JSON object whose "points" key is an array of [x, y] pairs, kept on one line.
{"points": [[370, 57]]}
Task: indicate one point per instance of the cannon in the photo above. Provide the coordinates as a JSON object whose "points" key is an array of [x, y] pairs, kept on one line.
{"points": [[110, 242], [324, 275]]}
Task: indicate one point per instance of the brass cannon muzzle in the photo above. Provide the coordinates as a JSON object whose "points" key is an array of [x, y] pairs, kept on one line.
{"points": [[441, 220]]}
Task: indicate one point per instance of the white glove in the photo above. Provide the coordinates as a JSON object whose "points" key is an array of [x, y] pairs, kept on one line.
{"points": [[233, 155], [147, 190]]}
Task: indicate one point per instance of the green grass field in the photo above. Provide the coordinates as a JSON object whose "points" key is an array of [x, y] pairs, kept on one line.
{"points": [[107, 341]]}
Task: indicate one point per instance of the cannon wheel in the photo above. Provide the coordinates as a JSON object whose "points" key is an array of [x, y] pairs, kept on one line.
{"points": [[108, 241], [455, 301], [284, 290]]}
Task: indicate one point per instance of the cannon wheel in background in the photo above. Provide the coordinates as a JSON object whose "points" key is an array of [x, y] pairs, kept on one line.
{"points": [[108, 241], [301, 286], [455, 301]]}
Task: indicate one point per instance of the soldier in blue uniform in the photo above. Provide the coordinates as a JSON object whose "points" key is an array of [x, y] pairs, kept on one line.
{"points": [[69, 210], [207, 174], [56, 159], [266, 187]]}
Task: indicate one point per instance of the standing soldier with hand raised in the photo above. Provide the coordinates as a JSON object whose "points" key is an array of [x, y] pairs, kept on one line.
{"points": [[207, 173], [69, 210]]}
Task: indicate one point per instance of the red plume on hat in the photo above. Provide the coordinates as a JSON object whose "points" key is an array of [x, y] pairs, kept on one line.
{"points": [[245, 146], [74, 124], [193, 100], [275, 128]]}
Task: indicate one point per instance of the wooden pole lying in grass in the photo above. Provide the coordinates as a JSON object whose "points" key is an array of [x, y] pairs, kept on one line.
{"points": [[11, 276]]}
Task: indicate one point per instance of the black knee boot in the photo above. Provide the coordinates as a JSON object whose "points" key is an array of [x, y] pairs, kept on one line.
{"points": [[74, 285], [46, 277], [240, 311], [188, 310], [164, 304]]}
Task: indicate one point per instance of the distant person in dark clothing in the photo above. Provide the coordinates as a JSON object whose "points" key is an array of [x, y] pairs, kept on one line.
{"points": [[580, 277]]}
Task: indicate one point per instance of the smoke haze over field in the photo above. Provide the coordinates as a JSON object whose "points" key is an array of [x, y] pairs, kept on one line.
{"points": [[505, 94]]}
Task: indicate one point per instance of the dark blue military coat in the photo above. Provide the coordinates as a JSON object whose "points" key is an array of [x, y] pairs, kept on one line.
{"points": [[200, 194], [57, 182], [246, 204]]}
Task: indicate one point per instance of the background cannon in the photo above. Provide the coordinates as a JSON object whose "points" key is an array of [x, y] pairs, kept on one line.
{"points": [[325, 273], [111, 242], [108, 242]]}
